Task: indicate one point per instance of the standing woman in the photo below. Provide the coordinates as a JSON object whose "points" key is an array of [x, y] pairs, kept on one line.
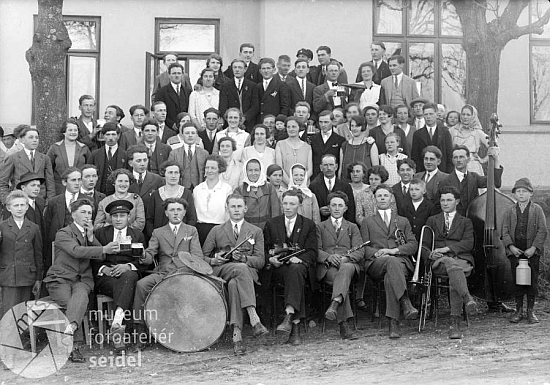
{"points": [[233, 174], [210, 197], [372, 92], [469, 133], [207, 97], [293, 150], [379, 133], [233, 117], [121, 179], [275, 178], [259, 149], [215, 62], [390, 158], [260, 197], [365, 204], [310, 206], [154, 212], [67, 153], [359, 148]]}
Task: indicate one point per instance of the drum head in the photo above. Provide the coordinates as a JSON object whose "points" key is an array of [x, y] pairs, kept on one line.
{"points": [[186, 313], [195, 263]]}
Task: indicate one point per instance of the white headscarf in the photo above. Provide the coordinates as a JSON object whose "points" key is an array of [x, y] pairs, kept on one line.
{"points": [[261, 180], [474, 124], [292, 185]]}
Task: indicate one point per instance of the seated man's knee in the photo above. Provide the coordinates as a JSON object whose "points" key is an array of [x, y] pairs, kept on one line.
{"points": [[347, 268], [297, 268]]}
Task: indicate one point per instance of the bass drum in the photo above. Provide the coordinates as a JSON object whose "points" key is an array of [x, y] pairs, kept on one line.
{"points": [[186, 312]]}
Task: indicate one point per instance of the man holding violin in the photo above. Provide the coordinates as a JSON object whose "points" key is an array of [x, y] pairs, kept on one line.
{"points": [[291, 243], [235, 250], [336, 266]]}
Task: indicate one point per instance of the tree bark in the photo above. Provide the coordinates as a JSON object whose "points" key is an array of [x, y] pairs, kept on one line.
{"points": [[46, 58]]}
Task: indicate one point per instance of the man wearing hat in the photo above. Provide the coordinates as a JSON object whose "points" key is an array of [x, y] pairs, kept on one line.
{"points": [[306, 55], [398, 88], [30, 185], [118, 274], [418, 120], [8, 138]]}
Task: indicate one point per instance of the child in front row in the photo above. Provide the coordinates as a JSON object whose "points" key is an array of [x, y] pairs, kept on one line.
{"points": [[523, 233]]}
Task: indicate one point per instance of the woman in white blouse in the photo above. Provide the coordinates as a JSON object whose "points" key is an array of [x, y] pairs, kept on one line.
{"points": [[207, 97], [209, 197], [259, 149], [233, 174], [233, 117], [372, 92]]}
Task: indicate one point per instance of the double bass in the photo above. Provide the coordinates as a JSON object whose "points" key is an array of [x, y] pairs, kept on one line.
{"points": [[492, 277]]}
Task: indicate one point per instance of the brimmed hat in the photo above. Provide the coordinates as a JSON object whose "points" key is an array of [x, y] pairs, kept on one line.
{"points": [[119, 206], [28, 177], [418, 100], [523, 183], [8, 131], [305, 52]]}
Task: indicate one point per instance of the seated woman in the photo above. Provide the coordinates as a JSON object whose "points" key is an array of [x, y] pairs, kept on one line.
{"points": [[176, 141], [260, 197], [233, 117], [390, 158], [233, 173], [359, 148], [310, 206], [365, 205], [154, 212], [259, 150], [293, 150], [121, 179], [275, 178]]}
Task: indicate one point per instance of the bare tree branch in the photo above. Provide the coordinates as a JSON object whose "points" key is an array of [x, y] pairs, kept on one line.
{"points": [[535, 27]]}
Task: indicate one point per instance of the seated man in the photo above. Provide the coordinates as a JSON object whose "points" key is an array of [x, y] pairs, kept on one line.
{"points": [[335, 237], [454, 241], [240, 269], [388, 258], [118, 274], [165, 243], [292, 229], [69, 280]]}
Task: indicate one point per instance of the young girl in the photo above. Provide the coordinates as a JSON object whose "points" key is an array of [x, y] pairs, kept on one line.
{"points": [[390, 158], [21, 264], [523, 233]]}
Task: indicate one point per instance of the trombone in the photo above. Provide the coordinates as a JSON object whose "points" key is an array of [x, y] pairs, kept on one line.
{"points": [[422, 285]]}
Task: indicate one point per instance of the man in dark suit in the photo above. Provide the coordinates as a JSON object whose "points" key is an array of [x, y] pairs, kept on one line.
{"points": [[252, 73], [326, 182], [208, 136], [145, 182], [115, 114], [27, 160], [240, 93], [433, 134], [334, 266], [387, 260], [108, 158], [325, 142], [240, 270], [398, 88], [454, 241], [157, 151], [273, 93], [175, 95], [191, 158], [324, 56], [417, 209], [306, 55], [86, 122], [163, 78], [468, 182], [292, 229], [159, 111], [70, 279], [432, 175], [302, 88], [138, 114], [30, 185], [117, 275], [330, 94], [405, 168], [89, 182], [378, 51]]}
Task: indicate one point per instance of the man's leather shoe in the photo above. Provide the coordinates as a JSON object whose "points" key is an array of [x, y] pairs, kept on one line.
{"points": [[361, 305], [330, 314], [394, 329], [346, 333], [454, 330], [117, 337], [76, 356], [517, 316], [260, 330], [238, 348], [409, 311], [470, 305], [286, 325], [495, 307], [531, 317], [295, 337]]}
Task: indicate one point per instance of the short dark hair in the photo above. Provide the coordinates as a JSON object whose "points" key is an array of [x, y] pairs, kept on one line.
{"points": [[325, 113], [367, 64], [155, 104], [387, 109], [85, 97], [81, 202], [452, 112], [379, 43], [284, 58], [338, 194], [135, 149], [222, 166], [180, 201], [462, 147], [298, 61], [303, 103], [324, 48], [383, 186], [408, 161], [360, 121], [110, 126], [68, 171], [265, 60], [205, 70], [234, 196], [138, 107], [87, 166], [429, 105], [449, 190], [294, 193], [380, 171], [436, 151], [213, 110], [253, 133], [149, 122], [26, 129], [175, 65], [300, 123], [246, 45], [237, 60], [214, 56], [228, 139], [169, 163], [120, 171], [352, 165], [65, 123], [168, 54], [119, 111], [400, 59]]}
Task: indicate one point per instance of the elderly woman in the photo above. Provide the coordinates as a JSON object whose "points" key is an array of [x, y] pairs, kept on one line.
{"points": [[176, 141], [293, 150], [207, 97], [379, 133], [275, 177], [210, 197], [310, 206], [67, 153], [233, 117], [359, 148], [364, 198], [469, 133], [260, 197], [233, 174], [372, 93], [259, 149], [121, 179], [154, 212]]}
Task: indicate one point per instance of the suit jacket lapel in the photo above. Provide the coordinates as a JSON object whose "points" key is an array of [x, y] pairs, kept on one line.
{"points": [[24, 160], [330, 228], [296, 230], [64, 153], [343, 229]]}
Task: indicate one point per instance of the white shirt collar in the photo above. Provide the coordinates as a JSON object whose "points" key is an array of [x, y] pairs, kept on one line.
{"points": [[113, 148], [460, 175], [80, 228], [177, 227], [136, 174], [333, 220], [239, 224], [175, 86], [237, 82], [267, 80], [28, 152], [399, 77], [417, 204], [451, 216], [381, 212], [122, 235], [330, 84]]}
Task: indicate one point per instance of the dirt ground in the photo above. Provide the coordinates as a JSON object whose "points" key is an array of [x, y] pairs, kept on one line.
{"points": [[493, 351]]}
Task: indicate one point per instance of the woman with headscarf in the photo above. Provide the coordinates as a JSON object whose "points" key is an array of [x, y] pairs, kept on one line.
{"points": [[310, 207], [261, 199]]}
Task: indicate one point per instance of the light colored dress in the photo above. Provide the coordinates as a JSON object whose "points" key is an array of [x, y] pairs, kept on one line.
{"points": [[390, 163], [233, 176], [210, 203], [290, 156], [241, 137], [267, 158], [199, 101], [472, 139], [365, 204]]}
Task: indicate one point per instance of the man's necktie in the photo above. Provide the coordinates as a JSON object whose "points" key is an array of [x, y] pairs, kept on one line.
{"points": [[431, 131], [240, 85], [288, 230], [32, 158], [189, 153], [447, 223], [236, 231], [266, 83], [150, 147], [178, 90], [428, 176], [175, 230], [119, 236], [330, 185], [395, 82], [405, 190], [304, 88], [386, 219], [140, 179], [337, 226], [139, 134], [110, 153], [210, 135], [73, 198], [334, 84]]}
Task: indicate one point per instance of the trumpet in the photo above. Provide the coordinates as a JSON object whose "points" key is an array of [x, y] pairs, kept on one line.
{"points": [[348, 253]]}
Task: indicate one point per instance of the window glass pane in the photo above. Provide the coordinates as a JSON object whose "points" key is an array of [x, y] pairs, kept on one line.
{"points": [[421, 17], [82, 80], [421, 68], [195, 68], [389, 17], [450, 22], [392, 48], [187, 37], [82, 34], [540, 86], [538, 8], [453, 76]]}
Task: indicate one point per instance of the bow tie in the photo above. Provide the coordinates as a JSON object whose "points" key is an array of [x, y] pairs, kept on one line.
{"points": [[90, 194], [335, 84]]}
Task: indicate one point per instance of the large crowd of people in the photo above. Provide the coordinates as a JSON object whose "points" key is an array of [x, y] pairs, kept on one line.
{"points": [[267, 176]]}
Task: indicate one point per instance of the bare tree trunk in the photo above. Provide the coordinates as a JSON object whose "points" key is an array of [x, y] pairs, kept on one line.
{"points": [[46, 59]]}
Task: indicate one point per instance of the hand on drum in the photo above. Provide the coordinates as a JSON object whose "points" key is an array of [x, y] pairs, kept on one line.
{"points": [[219, 259]]}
